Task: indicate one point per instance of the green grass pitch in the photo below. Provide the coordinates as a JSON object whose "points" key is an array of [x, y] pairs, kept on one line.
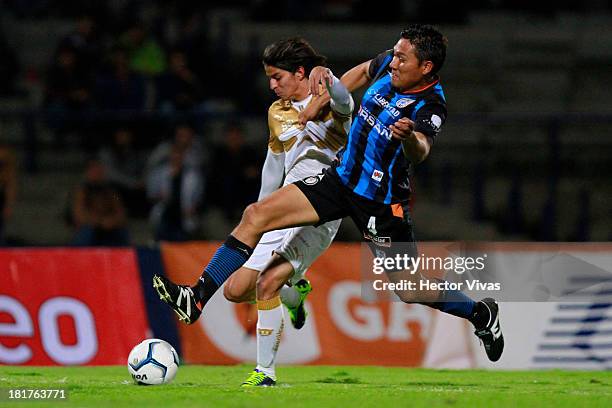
{"points": [[316, 386]]}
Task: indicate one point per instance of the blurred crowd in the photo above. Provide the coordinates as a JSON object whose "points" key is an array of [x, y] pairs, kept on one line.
{"points": [[305, 10], [130, 84], [158, 54], [130, 70], [122, 58], [171, 185]]}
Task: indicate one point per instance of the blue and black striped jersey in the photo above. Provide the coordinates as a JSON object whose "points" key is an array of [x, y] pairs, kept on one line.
{"points": [[373, 164]]}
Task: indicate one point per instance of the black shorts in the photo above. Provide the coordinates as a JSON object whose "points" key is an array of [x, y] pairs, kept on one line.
{"points": [[381, 225]]}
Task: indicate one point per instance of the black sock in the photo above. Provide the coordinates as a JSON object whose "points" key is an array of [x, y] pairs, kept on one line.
{"points": [[480, 316], [204, 289], [228, 258]]}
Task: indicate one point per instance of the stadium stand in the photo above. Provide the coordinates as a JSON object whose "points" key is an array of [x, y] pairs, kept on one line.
{"points": [[528, 134]]}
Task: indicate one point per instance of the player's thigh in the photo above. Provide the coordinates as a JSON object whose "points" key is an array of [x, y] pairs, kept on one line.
{"points": [[276, 273], [240, 287], [286, 207]]}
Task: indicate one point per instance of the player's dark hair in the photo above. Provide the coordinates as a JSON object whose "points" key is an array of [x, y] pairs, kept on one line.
{"points": [[292, 53], [429, 43]]}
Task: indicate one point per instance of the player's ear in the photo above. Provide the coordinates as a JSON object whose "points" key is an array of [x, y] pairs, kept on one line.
{"points": [[300, 73], [426, 67]]}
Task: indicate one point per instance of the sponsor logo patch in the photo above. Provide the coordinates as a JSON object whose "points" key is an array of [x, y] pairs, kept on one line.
{"points": [[383, 103], [436, 121], [377, 175], [373, 121], [311, 181], [402, 103], [378, 241], [265, 332]]}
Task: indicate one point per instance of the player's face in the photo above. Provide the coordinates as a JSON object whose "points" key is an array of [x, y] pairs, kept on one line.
{"points": [[285, 84], [407, 73]]}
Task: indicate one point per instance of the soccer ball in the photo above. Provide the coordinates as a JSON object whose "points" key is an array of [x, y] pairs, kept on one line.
{"points": [[153, 362]]}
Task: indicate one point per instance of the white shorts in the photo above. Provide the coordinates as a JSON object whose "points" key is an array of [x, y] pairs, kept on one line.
{"points": [[300, 246]]}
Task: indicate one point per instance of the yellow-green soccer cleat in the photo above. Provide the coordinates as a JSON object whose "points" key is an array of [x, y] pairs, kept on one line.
{"points": [[298, 313], [258, 379]]}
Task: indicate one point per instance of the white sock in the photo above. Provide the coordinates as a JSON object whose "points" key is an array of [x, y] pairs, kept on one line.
{"points": [[290, 296], [270, 325]]}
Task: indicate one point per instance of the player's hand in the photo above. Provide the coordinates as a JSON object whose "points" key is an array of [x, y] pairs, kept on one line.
{"points": [[402, 129], [312, 110], [309, 113], [319, 78]]}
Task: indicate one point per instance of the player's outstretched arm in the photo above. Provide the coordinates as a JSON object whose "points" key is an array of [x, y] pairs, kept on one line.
{"points": [[357, 77], [353, 79], [341, 100]]}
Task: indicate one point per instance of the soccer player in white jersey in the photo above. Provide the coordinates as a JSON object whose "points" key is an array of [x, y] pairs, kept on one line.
{"points": [[295, 152]]}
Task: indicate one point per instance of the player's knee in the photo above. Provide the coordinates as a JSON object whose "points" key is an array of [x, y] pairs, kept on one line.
{"points": [[235, 290], [254, 217], [266, 287], [231, 294]]}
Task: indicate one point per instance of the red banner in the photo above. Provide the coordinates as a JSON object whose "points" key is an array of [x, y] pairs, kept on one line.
{"points": [[341, 327], [69, 306]]}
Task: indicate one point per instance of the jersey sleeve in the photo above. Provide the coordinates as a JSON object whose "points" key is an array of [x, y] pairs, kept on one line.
{"points": [[430, 118], [272, 174], [274, 126], [380, 63], [341, 100]]}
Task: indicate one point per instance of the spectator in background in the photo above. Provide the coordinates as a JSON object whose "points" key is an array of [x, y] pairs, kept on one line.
{"points": [[124, 166], [84, 42], [98, 212], [8, 187], [119, 87], [186, 141], [191, 36], [67, 93], [68, 85], [145, 55], [9, 68], [240, 166], [176, 189], [178, 88]]}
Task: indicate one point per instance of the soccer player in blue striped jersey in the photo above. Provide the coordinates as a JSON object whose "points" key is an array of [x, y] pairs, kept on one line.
{"points": [[398, 120], [373, 165]]}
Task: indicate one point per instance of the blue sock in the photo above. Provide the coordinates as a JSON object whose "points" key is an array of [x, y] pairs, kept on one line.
{"points": [[456, 303], [228, 258]]}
